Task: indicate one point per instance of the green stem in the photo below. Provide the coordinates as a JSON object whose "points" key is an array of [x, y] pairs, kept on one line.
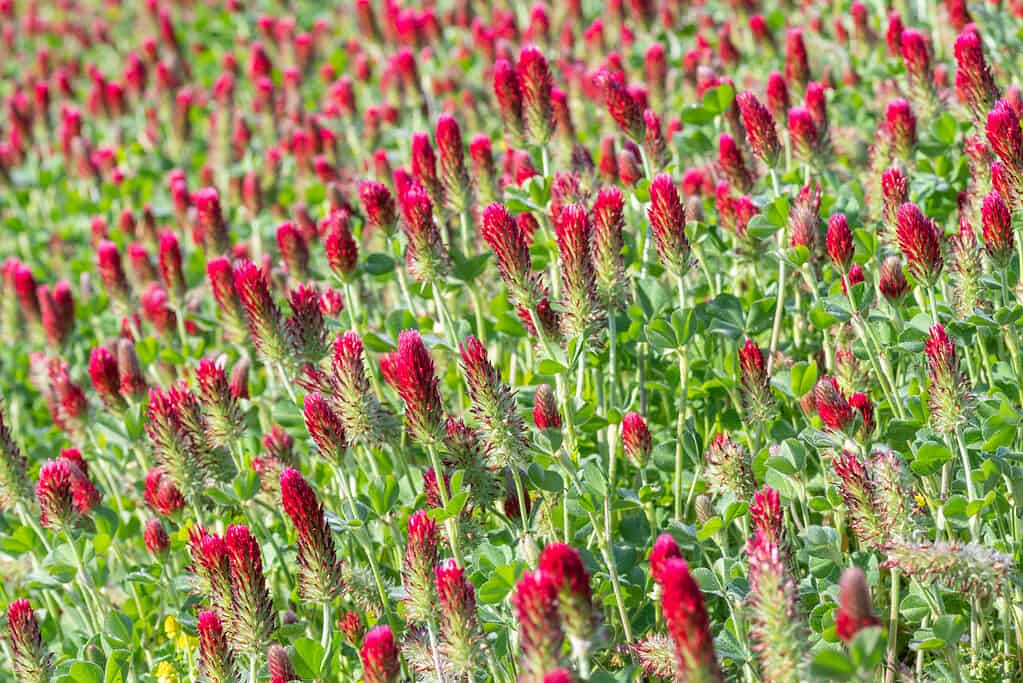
{"points": [[451, 523], [520, 491], [893, 628]]}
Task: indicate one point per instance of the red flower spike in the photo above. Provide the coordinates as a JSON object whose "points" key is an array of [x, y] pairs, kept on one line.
{"points": [[540, 632], [625, 111], [803, 134], [453, 175], [636, 438], [216, 660], [668, 224], [685, 615], [294, 251], [105, 377], [418, 565], [279, 666], [211, 226], [417, 386], [264, 317], [892, 282], [508, 92], [379, 655], [535, 79], [766, 514], [545, 408], [111, 271], [325, 427], [839, 241], [855, 609], [29, 658], [665, 549], [920, 241], [797, 67], [900, 125], [999, 239], [732, 164], [320, 571], [761, 132], [974, 81], [252, 616], [777, 95], [833, 408], [155, 537], [511, 248]]}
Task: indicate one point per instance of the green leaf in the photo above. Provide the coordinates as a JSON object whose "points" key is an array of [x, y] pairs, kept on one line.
{"points": [[949, 627], [117, 665], [378, 264], [803, 377], [929, 458], [85, 672], [718, 99], [661, 335], [696, 115], [712, 526], [308, 658], [832, 665]]}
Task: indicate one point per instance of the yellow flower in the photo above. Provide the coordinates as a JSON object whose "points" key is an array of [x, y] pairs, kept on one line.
{"points": [[165, 672], [170, 626], [185, 642]]}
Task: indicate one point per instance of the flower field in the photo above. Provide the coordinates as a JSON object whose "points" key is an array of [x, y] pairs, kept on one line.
{"points": [[638, 340]]}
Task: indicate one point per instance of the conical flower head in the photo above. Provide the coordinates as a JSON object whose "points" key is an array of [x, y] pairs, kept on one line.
{"points": [[636, 438], [418, 388], [760, 128], [511, 248], [729, 468], [105, 377], [574, 234], [211, 567], [916, 56], [894, 193], [974, 82], [900, 126], [378, 204], [688, 623], [971, 568], [859, 493], [508, 92], [546, 414], [320, 576], [364, 418], [215, 657], [305, 329], [379, 655], [461, 635], [222, 284], [855, 609], [29, 657], [55, 494], [668, 222], [252, 614], [920, 241], [279, 665], [535, 602], [493, 406], [342, 250], [832, 407], [1006, 140], [417, 574], [756, 383], [803, 134], [564, 566], [224, 417], [606, 252], [426, 256], [264, 317], [155, 537], [733, 165], [839, 241], [111, 271], [778, 630], [622, 107], [324, 427], [951, 400], [14, 483], [535, 79], [453, 175], [999, 239], [665, 549], [766, 514], [161, 494]]}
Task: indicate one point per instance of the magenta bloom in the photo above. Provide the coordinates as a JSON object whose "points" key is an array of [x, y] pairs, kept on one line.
{"points": [[668, 223], [379, 656], [636, 438]]}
